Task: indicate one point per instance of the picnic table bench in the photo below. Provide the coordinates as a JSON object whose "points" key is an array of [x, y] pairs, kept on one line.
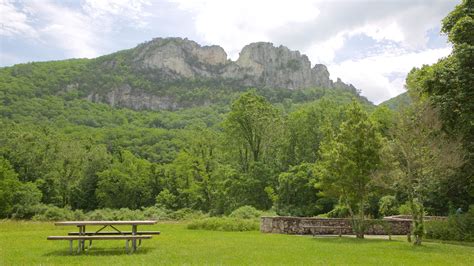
{"points": [[99, 234], [316, 228]]}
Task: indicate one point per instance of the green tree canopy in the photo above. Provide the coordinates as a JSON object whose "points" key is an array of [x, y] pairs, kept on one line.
{"points": [[349, 159]]}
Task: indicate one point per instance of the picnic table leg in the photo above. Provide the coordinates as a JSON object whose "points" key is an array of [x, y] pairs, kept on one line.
{"points": [[70, 246], [82, 231], [134, 241], [79, 248]]}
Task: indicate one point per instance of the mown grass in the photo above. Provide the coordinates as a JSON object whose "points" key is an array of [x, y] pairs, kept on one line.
{"points": [[24, 243], [224, 224]]}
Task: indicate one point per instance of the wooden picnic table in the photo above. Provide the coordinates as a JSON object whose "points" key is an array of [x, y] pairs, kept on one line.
{"points": [[83, 235]]}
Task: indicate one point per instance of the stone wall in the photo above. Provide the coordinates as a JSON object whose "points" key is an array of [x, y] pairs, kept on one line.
{"points": [[298, 225]]}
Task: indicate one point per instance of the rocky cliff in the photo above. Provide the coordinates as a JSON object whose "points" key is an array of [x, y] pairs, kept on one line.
{"points": [[167, 61], [259, 64]]}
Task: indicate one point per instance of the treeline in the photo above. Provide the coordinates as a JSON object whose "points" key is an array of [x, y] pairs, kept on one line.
{"points": [[256, 155], [88, 156]]}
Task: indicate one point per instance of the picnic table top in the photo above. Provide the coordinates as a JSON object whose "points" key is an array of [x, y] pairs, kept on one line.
{"points": [[105, 222]]}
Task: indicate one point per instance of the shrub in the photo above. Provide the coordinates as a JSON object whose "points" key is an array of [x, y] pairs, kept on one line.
{"points": [[224, 224], [270, 212], [125, 214], [52, 213], [405, 209], [388, 206], [246, 212], [100, 215], [156, 213], [339, 211], [166, 199], [186, 214], [459, 227]]}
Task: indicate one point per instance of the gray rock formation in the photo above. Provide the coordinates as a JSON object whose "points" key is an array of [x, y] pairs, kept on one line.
{"points": [[168, 62], [180, 58], [259, 64], [124, 96]]}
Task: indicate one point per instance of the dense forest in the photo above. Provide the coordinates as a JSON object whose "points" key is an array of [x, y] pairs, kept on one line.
{"points": [[308, 152]]}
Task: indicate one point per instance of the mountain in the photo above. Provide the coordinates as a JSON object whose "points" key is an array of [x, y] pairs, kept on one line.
{"points": [[173, 73], [151, 121], [259, 64], [397, 102]]}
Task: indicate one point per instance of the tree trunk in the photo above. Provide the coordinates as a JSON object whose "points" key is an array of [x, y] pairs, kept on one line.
{"points": [[357, 222], [361, 222], [418, 225]]}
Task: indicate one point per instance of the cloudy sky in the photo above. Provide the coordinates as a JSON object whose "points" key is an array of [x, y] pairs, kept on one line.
{"points": [[369, 43]]}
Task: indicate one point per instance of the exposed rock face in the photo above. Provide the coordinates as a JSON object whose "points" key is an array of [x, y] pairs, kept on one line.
{"points": [[259, 64], [180, 58], [167, 62], [321, 76], [124, 96], [269, 66]]}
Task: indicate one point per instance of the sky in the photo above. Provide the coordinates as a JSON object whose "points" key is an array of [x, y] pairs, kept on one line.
{"points": [[371, 44]]}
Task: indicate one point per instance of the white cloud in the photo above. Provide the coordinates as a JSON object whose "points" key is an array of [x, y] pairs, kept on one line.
{"points": [[14, 21], [109, 11], [77, 32], [382, 76], [233, 24]]}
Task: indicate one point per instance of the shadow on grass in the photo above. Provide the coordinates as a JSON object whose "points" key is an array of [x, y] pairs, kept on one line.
{"points": [[351, 240], [428, 246], [98, 252], [450, 242]]}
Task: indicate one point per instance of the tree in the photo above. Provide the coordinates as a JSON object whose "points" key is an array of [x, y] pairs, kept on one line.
{"points": [[297, 193], [96, 160], [305, 130], [349, 159], [16, 198], [423, 156], [448, 87], [125, 183], [9, 183], [252, 125]]}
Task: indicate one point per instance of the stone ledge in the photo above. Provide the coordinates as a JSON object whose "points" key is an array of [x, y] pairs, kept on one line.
{"points": [[330, 226]]}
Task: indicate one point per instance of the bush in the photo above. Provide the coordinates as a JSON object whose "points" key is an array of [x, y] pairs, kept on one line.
{"points": [[166, 199], [186, 214], [339, 211], [100, 215], [404, 209], [224, 224], [52, 213], [246, 212], [388, 206], [125, 214], [78, 215], [459, 227], [156, 213]]}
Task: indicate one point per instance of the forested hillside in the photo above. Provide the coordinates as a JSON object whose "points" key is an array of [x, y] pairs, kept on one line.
{"points": [[60, 148], [398, 102]]}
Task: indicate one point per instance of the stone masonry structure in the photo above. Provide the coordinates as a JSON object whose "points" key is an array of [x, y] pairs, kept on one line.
{"points": [[298, 226]]}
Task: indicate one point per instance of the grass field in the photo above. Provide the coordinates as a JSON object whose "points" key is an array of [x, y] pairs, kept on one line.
{"points": [[24, 243]]}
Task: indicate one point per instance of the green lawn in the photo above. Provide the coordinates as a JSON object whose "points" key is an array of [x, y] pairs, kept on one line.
{"points": [[25, 243]]}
